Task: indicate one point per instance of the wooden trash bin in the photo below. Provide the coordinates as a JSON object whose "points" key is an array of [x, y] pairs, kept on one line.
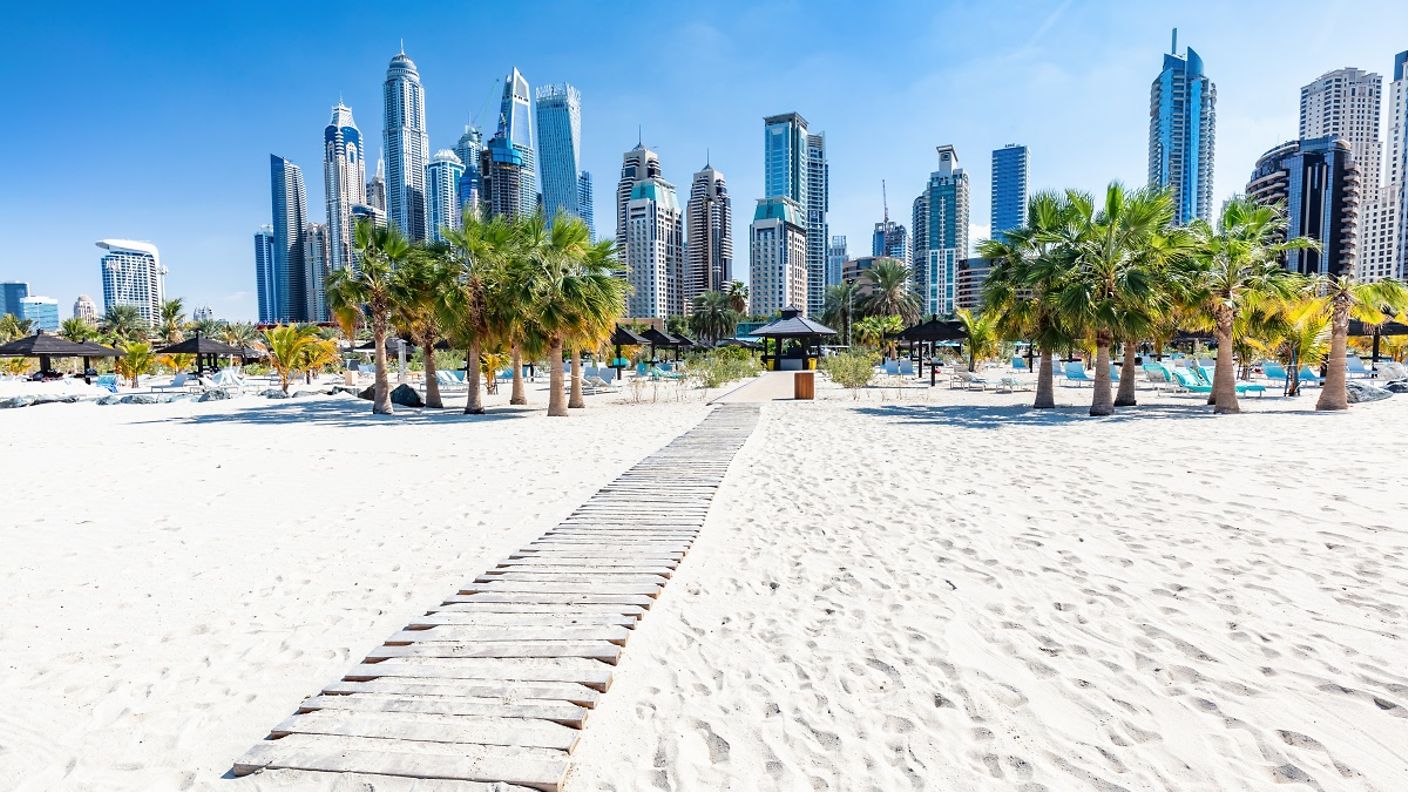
{"points": [[804, 385]]}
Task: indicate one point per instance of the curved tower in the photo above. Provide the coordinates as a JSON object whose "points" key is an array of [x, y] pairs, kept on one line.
{"points": [[407, 148], [344, 182]]}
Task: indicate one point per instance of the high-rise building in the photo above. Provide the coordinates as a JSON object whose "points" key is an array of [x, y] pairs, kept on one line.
{"points": [[836, 255], [565, 184], [941, 234], [795, 167], [315, 272], [508, 165], [1182, 127], [376, 188], [267, 287], [133, 275], [11, 292], [709, 253], [817, 205], [1317, 181], [344, 182], [637, 165], [407, 148], [202, 313], [469, 149], [290, 209], [370, 214], [85, 308], [972, 274], [442, 185], [1383, 249], [43, 312], [777, 256], [655, 239], [1009, 189], [890, 239], [1347, 102]]}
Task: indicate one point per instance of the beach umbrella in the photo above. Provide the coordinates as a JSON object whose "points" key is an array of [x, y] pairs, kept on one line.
{"points": [[620, 337], [935, 332], [44, 346], [204, 348]]}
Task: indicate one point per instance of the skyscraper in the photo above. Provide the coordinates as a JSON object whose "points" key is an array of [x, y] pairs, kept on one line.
{"points": [[84, 308], [710, 249], [795, 167], [290, 209], [1182, 125], [315, 272], [442, 184], [890, 239], [407, 148], [941, 234], [565, 184], [637, 165], [1346, 102], [43, 312], [344, 182], [1383, 250], [11, 292], [1009, 189], [133, 275], [468, 149], [817, 205], [267, 287], [777, 256], [508, 164], [1317, 181], [655, 239], [836, 255], [376, 188]]}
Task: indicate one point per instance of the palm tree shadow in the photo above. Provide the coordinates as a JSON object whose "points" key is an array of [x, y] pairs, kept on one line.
{"points": [[998, 416], [344, 412]]}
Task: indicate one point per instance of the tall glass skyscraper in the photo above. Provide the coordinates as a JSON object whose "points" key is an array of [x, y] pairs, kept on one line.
{"points": [[709, 218], [468, 149], [795, 167], [941, 234], [344, 182], [1182, 126], [836, 254], [11, 293], [315, 272], [133, 275], [1318, 184], [266, 289], [407, 148], [565, 184], [290, 209], [508, 165], [1009, 189], [442, 184]]}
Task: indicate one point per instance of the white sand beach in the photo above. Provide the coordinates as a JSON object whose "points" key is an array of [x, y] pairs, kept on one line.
{"points": [[916, 590]]}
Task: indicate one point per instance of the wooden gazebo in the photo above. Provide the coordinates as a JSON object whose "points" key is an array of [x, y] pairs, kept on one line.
{"points": [[46, 347], [796, 341]]}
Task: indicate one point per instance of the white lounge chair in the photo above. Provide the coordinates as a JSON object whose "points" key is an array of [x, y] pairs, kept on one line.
{"points": [[177, 383], [1356, 368], [967, 379]]}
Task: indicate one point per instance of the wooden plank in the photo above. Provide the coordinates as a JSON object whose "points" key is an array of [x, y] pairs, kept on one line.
{"points": [[592, 673], [570, 577], [614, 633], [602, 556], [426, 727], [562, 712], [604, 651], [559, 568], [540, 613], [524, 768], [566, 586], [473, 688], [552, 597]]}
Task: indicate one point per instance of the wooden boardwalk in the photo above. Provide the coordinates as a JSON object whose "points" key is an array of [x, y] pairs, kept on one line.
{"points": [[495, 684]]}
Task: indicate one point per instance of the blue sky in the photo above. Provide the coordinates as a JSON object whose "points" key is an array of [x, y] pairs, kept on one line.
{"points": [[155, 121]]}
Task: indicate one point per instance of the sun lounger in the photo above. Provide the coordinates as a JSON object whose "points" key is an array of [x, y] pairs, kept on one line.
{"points": [[968, 380], [1157, 375], [177, 383], [1355, 366], [1019, 365], [1308, 377], [906, 368], [1074, 372], [1392, 371], [1010, 384]]}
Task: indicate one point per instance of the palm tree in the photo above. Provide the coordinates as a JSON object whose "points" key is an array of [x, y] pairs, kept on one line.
{"points": [[712, 317], [288, 347], [12, 327], [136, 360], [417, 287], [78, 330], [369, 286], [1027, 267], [1372, 303], [173, 320], [984, 338], [1298, 335], [737, 296], [517, 248], [1109, 290], [876, 331], [317, 356], [890, 293], [1236, 267], [210, 328], [839, 306], [481, 248], [598, 310], [125, 323]]}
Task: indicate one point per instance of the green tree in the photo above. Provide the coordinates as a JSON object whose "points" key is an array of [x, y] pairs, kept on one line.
{"points": [[289, 348], [123, 323], [712, 317], [1371, 303], [78, 330], [838, 311], [417, 289], [876, 332], [172, 324], [480, 248], [737, 296], [890, 293], [136, 360], [1236, 267], [370, 287], [984, 340]]}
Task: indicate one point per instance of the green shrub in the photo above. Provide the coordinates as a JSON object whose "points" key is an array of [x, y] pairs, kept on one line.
{"points": [[851, 370], [718, 367]]}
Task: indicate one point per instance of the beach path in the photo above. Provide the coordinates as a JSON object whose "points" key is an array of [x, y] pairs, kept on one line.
{"points": [[495, 684]]}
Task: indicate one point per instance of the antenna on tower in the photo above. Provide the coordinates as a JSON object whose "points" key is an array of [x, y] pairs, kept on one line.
{"points": [[640, 134], [1174, 51]]}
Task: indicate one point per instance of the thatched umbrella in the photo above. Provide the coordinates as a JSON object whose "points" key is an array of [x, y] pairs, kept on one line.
{"points": [[620, 337], [46, 347], [204, 348], [932, 332]]}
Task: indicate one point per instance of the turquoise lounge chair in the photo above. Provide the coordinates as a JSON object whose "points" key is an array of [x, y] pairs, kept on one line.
{"points": [[1187, 382], [1020, 364], [107, 382], [1308, 377], [1074, 371]]}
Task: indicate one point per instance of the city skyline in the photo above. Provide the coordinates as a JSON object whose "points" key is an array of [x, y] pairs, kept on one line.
{"points": [[1084, 123]]}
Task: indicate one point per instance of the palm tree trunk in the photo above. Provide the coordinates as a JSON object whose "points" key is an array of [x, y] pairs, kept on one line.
{"points": [[1333, 394], [381, 390], [474, 405], [557, 402], [1101, 402], [1224, 379], [519, 395], [576, 402], [1125, 397], [432, 387], [1045, 382]]}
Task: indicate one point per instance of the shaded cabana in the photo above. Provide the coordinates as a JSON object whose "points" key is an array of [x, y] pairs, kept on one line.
{"points": [[206, 350], [933, 332], [624, 337], [1358, 328], [796, 341], [658, 339], [738, 342], [46, 347]]}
